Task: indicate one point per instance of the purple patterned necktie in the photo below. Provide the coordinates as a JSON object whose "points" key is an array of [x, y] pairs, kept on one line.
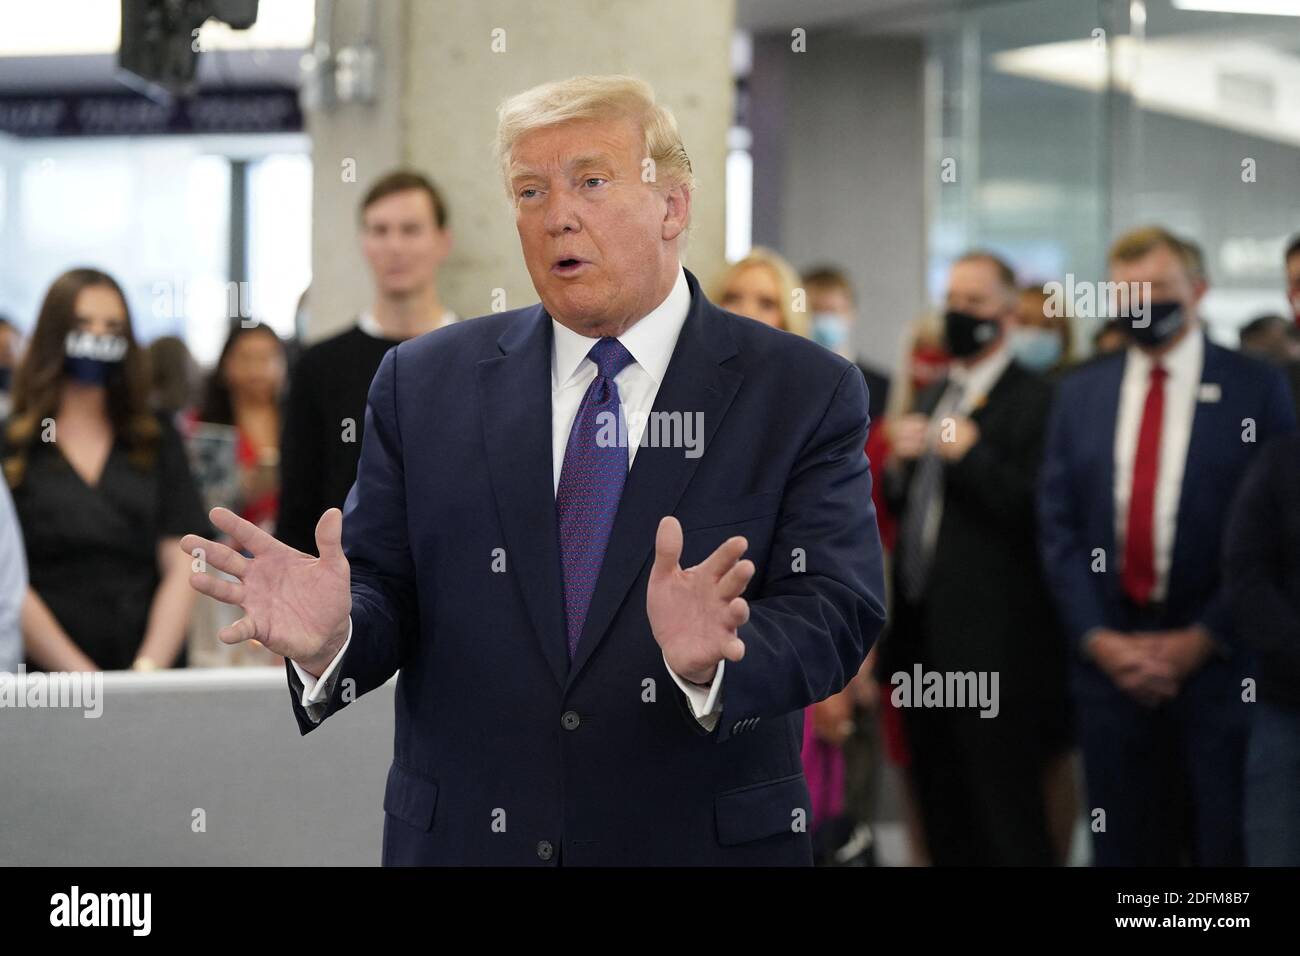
{"points": [[591, 483]]}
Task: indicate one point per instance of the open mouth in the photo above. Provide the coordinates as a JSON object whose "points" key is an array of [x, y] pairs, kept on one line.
{"points": [[568, 266]]}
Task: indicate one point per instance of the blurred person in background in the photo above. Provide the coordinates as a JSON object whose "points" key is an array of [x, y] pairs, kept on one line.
{"points": [[175, 375], [1261, 565], [834, 314], [1109, 339], [9, 339], [1041, 342], [1288, 354], [762, 286], [1044, 343], [850, 840], [102, 490], [968, 592], [234, 440], [244, 391], [1145, 450], [1291, 260], [405, 239], [923, 362], [1276, 341], [1269, 337], [13, 584]]}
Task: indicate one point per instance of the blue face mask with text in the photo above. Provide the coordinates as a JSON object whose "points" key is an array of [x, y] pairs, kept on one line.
{"points": [[89, 359]]}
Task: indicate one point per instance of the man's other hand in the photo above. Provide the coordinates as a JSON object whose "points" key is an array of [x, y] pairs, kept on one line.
{"points": [[295, 605]]}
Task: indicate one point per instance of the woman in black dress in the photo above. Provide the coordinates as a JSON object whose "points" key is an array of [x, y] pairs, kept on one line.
{"points": [[102, 489]]}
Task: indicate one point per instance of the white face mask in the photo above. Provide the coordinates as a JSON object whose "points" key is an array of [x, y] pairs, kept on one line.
{"points": [[1036, 349], [830, 330]]}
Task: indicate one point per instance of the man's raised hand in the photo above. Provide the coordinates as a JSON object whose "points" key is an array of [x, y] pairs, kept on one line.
{"points": [[295, 605], [695, 613]]}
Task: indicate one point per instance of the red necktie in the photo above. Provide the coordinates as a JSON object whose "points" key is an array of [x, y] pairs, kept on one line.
{"points": [[1139, 575]]}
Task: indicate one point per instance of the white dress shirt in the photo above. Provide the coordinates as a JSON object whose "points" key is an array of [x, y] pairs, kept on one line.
{"points": [[650, 341], [1182, 389]]}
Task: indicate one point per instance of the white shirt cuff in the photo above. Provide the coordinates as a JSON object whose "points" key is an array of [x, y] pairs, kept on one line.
{"points": [[317, 689], [706, 702]]}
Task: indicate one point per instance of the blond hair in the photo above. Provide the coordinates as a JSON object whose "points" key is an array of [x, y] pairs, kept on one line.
{"points": [[596, 98], [1136, 243], [787, 281]]}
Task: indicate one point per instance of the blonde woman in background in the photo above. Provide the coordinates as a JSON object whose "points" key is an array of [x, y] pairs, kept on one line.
{"points": [[761, 286]]}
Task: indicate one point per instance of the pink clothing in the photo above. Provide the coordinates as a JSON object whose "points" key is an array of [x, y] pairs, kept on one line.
{"points": [[823, 767]]}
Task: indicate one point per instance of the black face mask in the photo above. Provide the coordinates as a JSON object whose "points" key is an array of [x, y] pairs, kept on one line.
{"points": [[966, 334], [1166, 321]]}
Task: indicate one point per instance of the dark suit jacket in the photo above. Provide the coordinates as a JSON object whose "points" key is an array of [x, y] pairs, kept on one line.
{"points": [[506, 753], [1261, 561], [986, 607], [1076, 504]]}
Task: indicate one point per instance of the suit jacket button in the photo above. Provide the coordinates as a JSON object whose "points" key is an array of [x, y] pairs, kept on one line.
{"points": [[544, 849], [570, 720]]}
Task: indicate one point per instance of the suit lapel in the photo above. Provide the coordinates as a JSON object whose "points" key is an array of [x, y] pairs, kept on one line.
{"points": [[694, 382], [515, 396]]}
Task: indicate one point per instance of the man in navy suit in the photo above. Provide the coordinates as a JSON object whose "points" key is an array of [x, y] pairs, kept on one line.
{"points": [[546, 533], [1144, 451]]}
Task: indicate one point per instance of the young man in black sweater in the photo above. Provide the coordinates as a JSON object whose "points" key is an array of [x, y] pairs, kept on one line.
{"points": [[405, 239]]}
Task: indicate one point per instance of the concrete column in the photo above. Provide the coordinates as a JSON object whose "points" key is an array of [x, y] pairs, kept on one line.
{"points": [[839, 161], [445, 65], [352, 144]]}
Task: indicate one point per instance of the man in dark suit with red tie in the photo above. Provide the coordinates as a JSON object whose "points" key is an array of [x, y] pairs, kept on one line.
{"points": [[1144, 451], [547, 536]]}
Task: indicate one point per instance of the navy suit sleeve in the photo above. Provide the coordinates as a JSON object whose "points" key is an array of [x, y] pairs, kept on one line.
{"points": [[378, 552], [1275, 417], [813, 624], [1067, 556]]}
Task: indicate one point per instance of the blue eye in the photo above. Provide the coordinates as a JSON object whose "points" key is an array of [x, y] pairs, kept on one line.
{"points": [[525, 192], [593, 179]]}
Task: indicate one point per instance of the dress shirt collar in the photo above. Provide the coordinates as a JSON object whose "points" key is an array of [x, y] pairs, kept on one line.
{"points": [[1182, 362], [650, 340]]}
